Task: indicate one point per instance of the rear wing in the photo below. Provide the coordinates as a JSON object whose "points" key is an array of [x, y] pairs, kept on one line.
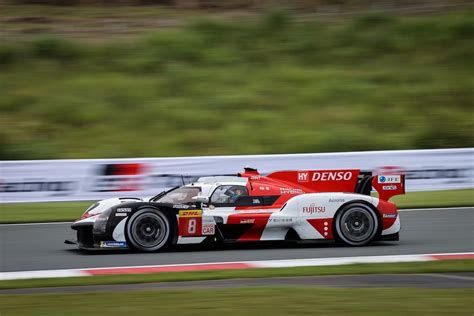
{"points": [[389, 185], [386, 185]]}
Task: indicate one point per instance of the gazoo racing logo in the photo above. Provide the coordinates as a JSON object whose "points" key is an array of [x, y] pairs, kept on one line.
{"points": [[325, 176], [313, 209]]}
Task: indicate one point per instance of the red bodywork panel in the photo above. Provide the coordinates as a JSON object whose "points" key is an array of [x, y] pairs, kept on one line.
{"points": [[389, 185], [287, 184]]}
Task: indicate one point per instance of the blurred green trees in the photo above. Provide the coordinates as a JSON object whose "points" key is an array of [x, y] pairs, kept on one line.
{"points": [[275, 85]]}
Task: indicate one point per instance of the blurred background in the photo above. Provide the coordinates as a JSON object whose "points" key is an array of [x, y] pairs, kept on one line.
{"points": [[149, 78], [172, 78]]}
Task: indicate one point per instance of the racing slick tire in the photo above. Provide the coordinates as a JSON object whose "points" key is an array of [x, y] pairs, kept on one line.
{"points": [[148, 230], [356, 224]]}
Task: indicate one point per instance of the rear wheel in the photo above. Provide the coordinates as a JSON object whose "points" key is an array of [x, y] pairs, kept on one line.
{"points": [[148, 230], [356, 224]]}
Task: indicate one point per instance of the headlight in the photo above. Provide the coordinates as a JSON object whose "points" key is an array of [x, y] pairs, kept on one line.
{"points": [[100, 224], [87, 212]]}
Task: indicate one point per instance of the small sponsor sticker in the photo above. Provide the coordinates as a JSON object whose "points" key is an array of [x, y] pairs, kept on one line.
{"points": [[389, 179], [336, 200], [291, 191], [247, 221], [281, 220], [389, 215], [208, 229], [113, 244], [185, 206], [121, 214], [124, 210], [389, 187], [190, 213]]}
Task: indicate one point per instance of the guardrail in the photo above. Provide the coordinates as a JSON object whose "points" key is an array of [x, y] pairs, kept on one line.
{"points": [[94, 179]]}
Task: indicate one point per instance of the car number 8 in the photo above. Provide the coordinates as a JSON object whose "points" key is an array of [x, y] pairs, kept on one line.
{"points": [[192, 226]]}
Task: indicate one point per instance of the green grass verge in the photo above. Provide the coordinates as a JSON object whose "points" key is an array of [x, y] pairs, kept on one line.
{"points": [[42, 212], [271, 84], [450, 198], [247, 301], [414, 267], [68, 211]]}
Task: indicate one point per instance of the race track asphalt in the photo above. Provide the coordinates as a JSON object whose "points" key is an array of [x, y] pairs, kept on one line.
{"points": [[41, 246]]}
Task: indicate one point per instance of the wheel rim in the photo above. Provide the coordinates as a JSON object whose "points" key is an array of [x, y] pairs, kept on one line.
{"points": [[148, 230], [357, 224]]}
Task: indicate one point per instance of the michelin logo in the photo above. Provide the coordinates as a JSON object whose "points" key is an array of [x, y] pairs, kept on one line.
{"points": [[113, 244]]}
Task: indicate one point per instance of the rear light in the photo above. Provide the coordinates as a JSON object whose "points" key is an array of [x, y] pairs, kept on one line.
{"points": [[86, 215]]}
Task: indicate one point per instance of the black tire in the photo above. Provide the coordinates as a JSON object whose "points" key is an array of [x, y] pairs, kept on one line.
{"points": [[148, 230], [356, 224]]}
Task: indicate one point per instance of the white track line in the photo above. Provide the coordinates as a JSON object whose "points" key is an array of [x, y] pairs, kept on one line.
{"points": [[215, 266]]}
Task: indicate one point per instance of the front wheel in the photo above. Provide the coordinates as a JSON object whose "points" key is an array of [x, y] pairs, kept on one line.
{"points": [[356, 224], [148, 230]]}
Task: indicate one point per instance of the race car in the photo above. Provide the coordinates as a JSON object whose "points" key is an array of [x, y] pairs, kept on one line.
{"points": [[249, 207]]}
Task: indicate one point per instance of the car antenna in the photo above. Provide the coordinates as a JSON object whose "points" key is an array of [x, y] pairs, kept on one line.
{"points": [[182, 179]]}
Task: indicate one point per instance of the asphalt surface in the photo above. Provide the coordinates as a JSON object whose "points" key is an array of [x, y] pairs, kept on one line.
{"points": [[432, 280], [41, 246]]}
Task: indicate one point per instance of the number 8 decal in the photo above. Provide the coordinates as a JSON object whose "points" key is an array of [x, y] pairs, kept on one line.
{"points": [[189, 222], [192, 226]]}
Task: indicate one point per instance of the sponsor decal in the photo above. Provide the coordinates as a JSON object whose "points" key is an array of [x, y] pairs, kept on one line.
{"points": [[255, 178], [113, 244], [208, 229], [264, 188], [303, 177], [389, 187], [57, 187], [336, 200], [190, 213], [124, 209], [120, 177], [247, 221], [256, 201], [389, 179], [312, 209], [291, 191], [389, 215], [185, 206], [281, 220], [331, 176], [121, 214]]}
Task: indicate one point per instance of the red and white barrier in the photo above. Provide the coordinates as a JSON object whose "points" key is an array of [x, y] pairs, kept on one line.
{"points": [[231, 265]]}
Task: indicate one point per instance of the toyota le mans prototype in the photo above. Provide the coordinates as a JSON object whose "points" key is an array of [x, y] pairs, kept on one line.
{"points": [[284, 205]]}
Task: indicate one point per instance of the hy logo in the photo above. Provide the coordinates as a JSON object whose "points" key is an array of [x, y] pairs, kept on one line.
{"points": [[303, 177]]}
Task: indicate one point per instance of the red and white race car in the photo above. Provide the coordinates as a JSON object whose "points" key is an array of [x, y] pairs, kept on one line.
{"points": [[284, 205]]}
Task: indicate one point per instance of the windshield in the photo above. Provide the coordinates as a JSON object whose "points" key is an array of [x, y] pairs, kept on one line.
{"points": [[181, 195]]}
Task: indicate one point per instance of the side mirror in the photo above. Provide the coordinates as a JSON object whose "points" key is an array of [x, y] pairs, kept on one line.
{"points": [[201, 199]]}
